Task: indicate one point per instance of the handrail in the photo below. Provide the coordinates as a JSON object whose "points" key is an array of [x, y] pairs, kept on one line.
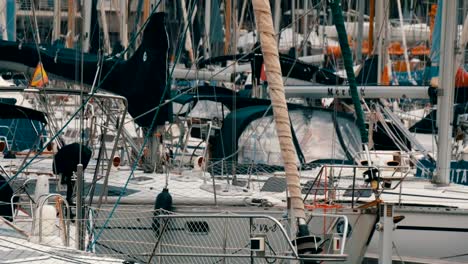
{"points": [[78, 93], [378, 168], [5, 139], [18, 195], [345, 231], [279, 225], [344, 217], [41, 205]]}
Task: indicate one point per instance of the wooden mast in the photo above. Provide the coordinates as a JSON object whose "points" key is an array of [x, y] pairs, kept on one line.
{"points": [[268, 43], [146, 9]]}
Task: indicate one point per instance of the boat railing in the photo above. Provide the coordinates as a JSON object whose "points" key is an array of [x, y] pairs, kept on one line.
{"points": [[21, 204], [120, 112], [39, 219], [15, 207], [372, 173], [206, 130], [159, 236], [5, 138], [338, 239], [27, 213]]}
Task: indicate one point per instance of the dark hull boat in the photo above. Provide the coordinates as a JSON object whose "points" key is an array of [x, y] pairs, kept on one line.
{"points": [[144, 73], [290, 67]]}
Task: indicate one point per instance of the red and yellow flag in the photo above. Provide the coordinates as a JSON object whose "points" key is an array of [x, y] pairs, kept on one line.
{"points": [[39, 78]]}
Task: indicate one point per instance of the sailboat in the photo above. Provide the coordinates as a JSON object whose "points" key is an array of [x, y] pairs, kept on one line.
{"points": [[432, 210], [255, 229], [429, 210]]}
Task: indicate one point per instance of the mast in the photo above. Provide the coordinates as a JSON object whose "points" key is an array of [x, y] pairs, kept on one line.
{"points": [[3, 20], [269, 47], [207, 46], [241, 19], [124, 23], [235, 26], [87, 5], [305, 26], [381, 26], [227, 19], [371, 27], [277, 17], [71, 24], [405, 47], [162, 5], [465, 8], [146, 9], [360, 8], [105, 29], [36, 27], [348, 63], [293, 25], [188, 38], [446, 90], [58, 19]]}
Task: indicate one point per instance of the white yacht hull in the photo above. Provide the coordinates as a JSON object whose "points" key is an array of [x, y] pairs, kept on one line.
{"points": [[198, 235], [429, 233]]}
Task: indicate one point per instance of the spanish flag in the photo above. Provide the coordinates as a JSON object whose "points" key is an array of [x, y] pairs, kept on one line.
{"points": [[39, 78]]}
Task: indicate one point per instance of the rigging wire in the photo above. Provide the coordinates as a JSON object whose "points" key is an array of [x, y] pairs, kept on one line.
{"points": [[96, 87], [233, 63], [167, 85], [36, 45], [191, 89], [147, 136], [88, 98]]}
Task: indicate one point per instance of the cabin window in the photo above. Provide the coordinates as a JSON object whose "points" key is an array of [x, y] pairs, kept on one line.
{"points": [[350, 134], [209, 110], [259, 143], [21, 134], [316, 135], [320, 139], [315, 132], [180, 109]]}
